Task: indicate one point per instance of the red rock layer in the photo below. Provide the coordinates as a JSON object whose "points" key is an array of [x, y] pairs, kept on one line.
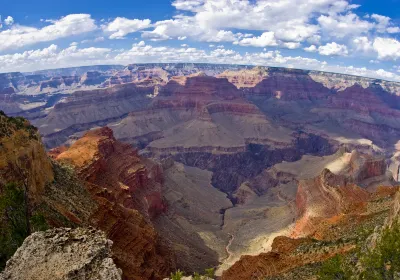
{"points": [[128, 191], [325, 196], [361, 100], [201, 86], [281, 259]]}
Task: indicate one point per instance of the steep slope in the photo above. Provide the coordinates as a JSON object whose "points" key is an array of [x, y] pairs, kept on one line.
{"points": [[121, 185], [100, 197], [331, 207], [22, 155], [85, 109]]}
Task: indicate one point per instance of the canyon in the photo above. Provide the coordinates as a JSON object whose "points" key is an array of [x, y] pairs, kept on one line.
{"points": [[192, 166]]}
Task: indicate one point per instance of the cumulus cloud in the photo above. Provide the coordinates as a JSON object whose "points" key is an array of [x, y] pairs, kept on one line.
{"points": [[265, 40], [9, 20], [340, 26], [210, 16], [184, 27], [53, 57], [387, 48], [311, 48], [362, 44], [393, 29], [19, 36], [120, 27], [291, 45], [333, 49]]}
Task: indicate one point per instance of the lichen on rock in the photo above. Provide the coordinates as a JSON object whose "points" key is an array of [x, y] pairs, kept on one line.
{"points": [[63, 253]]}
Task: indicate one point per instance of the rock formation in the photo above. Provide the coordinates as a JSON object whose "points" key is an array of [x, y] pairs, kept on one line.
{"points": [[22, 157], [128, 193], [245, 78], [63, 253]]}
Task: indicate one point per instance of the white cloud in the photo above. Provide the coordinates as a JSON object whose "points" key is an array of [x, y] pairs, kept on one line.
{"points": [[53, 57], [184, 45], [291, 45], [188, 5], [121, 26], [265, 40], [333, 49], [362, 44], [392, 30], [18, 36], [382, 22], [385, 74], [95, 40], [340, 26], [9, 20], [183, 27], [387, 48], [311, 48], [211, 16]]}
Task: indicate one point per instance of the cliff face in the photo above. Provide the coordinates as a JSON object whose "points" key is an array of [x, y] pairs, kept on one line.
{"points": [[22, 157], [117, 192], [201, 86], [85, 109], [63, 253], [325, 196], [102, 161], [127, 191], [245, 78]]}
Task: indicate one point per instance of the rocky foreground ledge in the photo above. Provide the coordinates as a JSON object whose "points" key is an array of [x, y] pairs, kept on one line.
{"points": [[63, 253]]}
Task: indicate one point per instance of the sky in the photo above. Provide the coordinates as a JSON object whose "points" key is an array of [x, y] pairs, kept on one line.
{"points": [[359, 37]]}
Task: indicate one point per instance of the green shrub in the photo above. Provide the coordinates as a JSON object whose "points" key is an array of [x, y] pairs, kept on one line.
{"points": [[210, 272], [196, 276], [13, 221], [177, 275], [13, 229], [383, 261], [333, 269]]}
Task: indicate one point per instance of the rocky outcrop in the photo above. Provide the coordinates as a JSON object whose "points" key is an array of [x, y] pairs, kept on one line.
{"points": [[325, 196], [127, 191], [22, 157], [92, 78], [58, 83], [101, 160], [63, 253]]}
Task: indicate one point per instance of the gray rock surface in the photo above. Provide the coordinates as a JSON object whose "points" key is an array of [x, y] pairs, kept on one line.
{"points": [[63, 253]]}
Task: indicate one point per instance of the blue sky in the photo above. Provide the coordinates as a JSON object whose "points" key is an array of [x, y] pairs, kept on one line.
{"points": [[360, 37]]}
